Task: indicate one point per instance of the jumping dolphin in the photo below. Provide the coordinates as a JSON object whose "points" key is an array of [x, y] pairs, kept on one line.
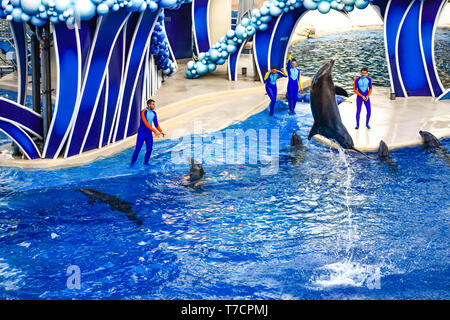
{"points": [[430, 142], [196, 175], [385, 157], [114, 203], [327, 119]]}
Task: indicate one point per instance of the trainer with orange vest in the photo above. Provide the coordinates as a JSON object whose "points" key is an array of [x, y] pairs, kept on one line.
{"points": [[363, 88], [145, 132]]}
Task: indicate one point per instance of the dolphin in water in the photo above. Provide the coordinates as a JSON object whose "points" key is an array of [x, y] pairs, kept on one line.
{"points": [[430, 142], [114, 203], [296, 140], [296, 151], [327, 119], [196, 175], [385, 157], [383, 152]]}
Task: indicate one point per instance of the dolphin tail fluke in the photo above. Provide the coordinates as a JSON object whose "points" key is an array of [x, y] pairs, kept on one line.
{"points": [[314, 131], [341, 91]]}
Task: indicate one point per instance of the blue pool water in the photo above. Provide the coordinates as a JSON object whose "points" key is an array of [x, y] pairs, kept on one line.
{"points": [[327, 225]]}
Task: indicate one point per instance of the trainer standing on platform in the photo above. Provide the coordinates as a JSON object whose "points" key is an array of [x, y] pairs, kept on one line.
{"points": [[294, 83], [145, 132], [363, 88]]}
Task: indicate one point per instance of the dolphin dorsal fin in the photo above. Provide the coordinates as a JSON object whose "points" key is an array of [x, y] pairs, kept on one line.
{"points": [[340, 91]]}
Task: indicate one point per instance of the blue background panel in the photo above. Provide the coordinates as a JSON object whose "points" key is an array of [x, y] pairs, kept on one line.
{"points": [[68, 72], [86, 33], [200, 16], [178, 24], [25, 117], [430, 16], [394, 16], [282, 34], [24, 142], [95, 130], [261, 43], [411, 64], [20, 43], [135, 63], [114, 79], [109, 28], [233, 61]]}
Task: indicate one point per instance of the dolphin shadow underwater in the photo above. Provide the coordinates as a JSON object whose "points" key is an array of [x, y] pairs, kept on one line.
{"points": [[324, 108], [196, 175], [114, 203], [432, 144]]}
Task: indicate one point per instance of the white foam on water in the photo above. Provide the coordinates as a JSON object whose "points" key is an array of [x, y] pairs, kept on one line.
{"points": [[348, 274], [10, 278]]}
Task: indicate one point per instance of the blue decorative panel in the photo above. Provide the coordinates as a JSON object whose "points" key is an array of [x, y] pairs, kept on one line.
{"points": [[20, 45], [282, 34], [21, 138], [261, 44], [134, 64], [114, 79], [429, 20], [110, 27], [133, 121], [93, 138], [68, 61], [178, 25], [233, 61], [394, 16], [24, 117], [411, 64], [200, 19], [86, 33]]}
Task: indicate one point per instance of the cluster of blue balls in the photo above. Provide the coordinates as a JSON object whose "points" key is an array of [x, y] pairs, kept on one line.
{"points": [[260, 18], [39, 11], [159, 48]]}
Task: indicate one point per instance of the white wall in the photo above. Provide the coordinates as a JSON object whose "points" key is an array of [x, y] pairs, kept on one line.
{"points": [[219, 19], [444, 21]]}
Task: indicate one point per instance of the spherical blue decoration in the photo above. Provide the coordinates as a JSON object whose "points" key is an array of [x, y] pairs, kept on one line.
{"points": [[84, 9], [30, 6]]}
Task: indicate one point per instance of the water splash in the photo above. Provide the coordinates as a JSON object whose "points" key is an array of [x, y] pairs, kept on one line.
{"points": [[348, 272]]}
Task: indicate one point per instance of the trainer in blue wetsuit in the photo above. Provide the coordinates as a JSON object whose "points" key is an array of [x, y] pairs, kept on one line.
{"points": [[363, 88], [145, 132], [294, 83], [270, 79]]}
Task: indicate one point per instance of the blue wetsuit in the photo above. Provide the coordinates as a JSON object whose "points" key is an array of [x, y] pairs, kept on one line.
{"points": [[363, 88], [294, 83], [270, 80], [145, 134]]}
